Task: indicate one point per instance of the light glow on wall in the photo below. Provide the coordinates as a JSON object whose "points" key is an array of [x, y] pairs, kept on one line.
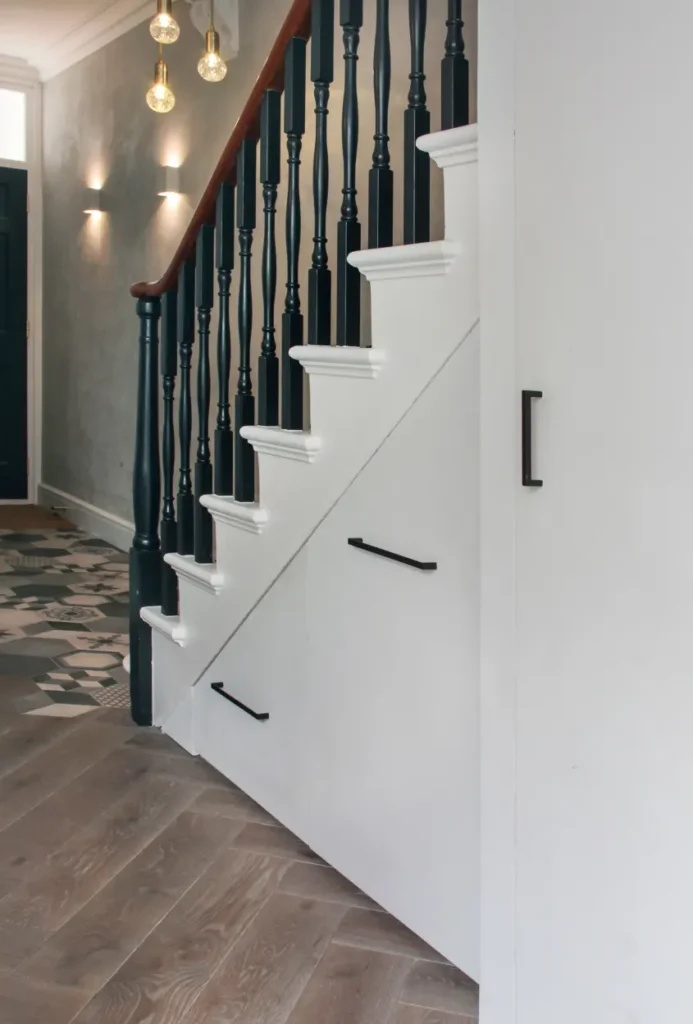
{"points": [[13, 121]]}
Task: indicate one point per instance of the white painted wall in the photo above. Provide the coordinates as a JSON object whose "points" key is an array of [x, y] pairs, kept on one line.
{"points": [[369, 671], [604, 691]]}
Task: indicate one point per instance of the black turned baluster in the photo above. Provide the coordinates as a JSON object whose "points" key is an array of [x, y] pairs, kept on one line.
{"points": [[270, 156], [145, 553], [292, 318], [244, 489], [204, 299], [223, 438], [380, 180], [349, 229], [417, 121], [169, 368], [186, 337], [454, 72], [321, 73]]}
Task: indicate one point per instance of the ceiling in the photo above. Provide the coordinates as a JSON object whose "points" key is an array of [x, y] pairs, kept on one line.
{"points": [[52, 34]]}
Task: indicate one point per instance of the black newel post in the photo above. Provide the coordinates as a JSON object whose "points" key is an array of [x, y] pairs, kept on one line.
{"points": [[145, 553], [186, 337], [417, 121], [169, 531], [349, 229], [292, 318], [380, 180], [244, 489], [454, 72], [223, 438], [270, 158], [321, 73], [204, 298]]}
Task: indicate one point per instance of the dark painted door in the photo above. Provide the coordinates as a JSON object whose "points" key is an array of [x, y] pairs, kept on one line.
{"points": [[13, 333]]}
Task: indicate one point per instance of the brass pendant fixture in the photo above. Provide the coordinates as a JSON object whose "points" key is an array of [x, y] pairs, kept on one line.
{"points": [[160, 97], [212, 67], [163, 26]]}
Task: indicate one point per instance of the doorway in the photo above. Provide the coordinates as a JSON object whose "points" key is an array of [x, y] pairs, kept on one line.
{"points": [[13, 334]]}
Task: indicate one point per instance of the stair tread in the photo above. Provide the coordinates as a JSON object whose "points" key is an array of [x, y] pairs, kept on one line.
{"points": [[291, 444]]}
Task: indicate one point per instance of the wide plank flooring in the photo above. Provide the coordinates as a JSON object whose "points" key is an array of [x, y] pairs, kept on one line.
{"points": [[137, 886]]}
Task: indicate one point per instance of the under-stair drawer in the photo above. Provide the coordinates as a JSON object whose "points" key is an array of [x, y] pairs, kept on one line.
{"points": [[368, 669]]}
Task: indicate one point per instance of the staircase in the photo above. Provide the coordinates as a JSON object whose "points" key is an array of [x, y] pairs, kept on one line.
{"points": [[335, 683]]}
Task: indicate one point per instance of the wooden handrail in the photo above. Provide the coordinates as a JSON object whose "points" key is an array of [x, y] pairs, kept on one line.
{"points": [[297, 23]]}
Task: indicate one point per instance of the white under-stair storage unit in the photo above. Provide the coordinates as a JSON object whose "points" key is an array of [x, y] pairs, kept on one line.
{"points": [[366, 667]]}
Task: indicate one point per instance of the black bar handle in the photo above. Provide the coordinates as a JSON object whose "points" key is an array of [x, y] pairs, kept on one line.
{"points": [[258, 716], [357, 542], [527, 397]]}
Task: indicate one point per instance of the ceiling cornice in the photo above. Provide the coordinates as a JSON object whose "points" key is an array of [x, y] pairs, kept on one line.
{"points": [[119, 17], [15, 71]]}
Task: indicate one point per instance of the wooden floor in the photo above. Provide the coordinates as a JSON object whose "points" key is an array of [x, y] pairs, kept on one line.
{"points": [[29, 517], [138, 887]]}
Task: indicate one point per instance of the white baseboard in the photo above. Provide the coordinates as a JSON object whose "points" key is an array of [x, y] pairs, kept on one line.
{"points": [[118, 532]]}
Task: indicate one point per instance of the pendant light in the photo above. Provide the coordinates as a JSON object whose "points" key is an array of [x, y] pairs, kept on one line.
{"points": [[163, 26], [212, 67], [160, 98]]}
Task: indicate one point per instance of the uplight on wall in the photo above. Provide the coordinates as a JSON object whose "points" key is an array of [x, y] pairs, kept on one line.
{"points": [[168, 182], [93, 201]]}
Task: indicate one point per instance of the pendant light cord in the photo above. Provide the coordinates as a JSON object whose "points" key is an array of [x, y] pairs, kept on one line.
{"points": [[211, 12]]}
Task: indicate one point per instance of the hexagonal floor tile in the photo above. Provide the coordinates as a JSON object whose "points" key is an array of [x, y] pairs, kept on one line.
{"points": [[105, 586], [36, 647], [89, 659], [86, 600], [23, 665], [41, 590], [79, 561], [95, 547], [12, 617], [6, 635], [65, 613]]}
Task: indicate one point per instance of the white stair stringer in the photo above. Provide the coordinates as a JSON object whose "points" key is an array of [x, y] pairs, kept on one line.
{"points": [[369, 672], [424, 302]]}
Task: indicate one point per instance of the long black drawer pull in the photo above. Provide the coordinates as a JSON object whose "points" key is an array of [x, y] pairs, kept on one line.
{"points": [[527, 397], [258, 716], [357, 542]]}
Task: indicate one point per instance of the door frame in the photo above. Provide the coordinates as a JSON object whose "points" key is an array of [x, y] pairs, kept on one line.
{"points": [[18, 75]]}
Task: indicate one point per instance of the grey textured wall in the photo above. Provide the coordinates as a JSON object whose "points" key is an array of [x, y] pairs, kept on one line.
{"points": [[98, 128]]}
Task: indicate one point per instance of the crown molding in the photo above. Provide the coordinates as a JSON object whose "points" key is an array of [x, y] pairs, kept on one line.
{"points": [[119, 17], [16, 71]]}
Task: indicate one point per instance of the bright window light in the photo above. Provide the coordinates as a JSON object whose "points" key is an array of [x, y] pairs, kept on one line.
{"points": [[12, 125]]}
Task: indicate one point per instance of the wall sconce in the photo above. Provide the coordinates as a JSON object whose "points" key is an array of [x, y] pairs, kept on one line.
{"points": [[93, 201], [168, 182]]}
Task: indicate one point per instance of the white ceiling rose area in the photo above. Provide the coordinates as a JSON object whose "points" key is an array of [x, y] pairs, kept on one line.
{"points": [[51, 35]]}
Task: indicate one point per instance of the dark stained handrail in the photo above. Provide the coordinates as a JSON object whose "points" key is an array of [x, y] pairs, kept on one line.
{"points": [[297, 23]]}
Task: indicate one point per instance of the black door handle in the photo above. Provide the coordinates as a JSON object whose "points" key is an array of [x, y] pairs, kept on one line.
{"points": [[527, 397], [357, 542], [259, 716]]}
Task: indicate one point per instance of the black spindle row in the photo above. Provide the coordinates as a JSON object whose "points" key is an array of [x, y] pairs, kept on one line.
{"points": [[292, 319], [223, 437], [270, 162], [322, 74], [169, 529], [186, 525], [349, 229]]}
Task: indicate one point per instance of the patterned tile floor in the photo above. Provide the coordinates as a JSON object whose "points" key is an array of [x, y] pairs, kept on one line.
{"points": [[64, 620]]}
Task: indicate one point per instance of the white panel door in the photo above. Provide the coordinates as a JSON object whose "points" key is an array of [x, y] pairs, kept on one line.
{"points": [[605, 548]]}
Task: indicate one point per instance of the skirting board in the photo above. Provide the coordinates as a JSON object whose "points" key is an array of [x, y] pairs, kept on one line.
{"points": [[118, 532]]}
